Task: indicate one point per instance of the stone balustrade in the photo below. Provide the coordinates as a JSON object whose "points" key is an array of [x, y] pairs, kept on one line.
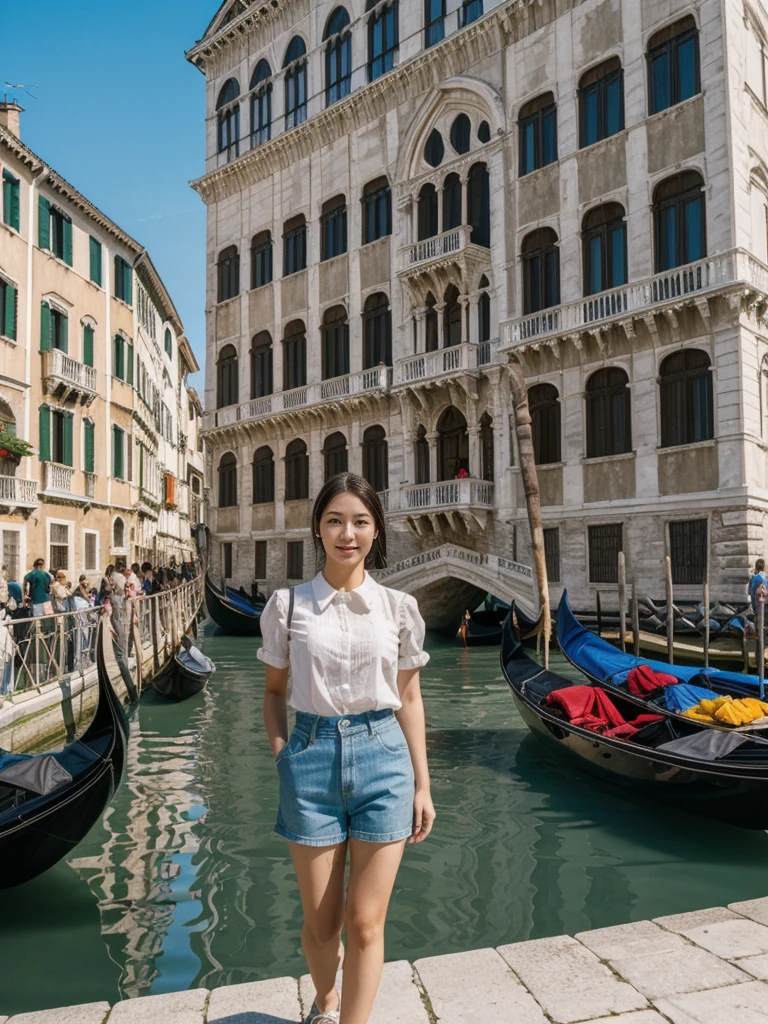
{"points": [[429, 249], [58, 478], [59, 369], [19, 493]]}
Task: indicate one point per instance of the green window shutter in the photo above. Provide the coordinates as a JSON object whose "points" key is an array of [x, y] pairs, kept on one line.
{"points": [[11, 298], [15, 221], [129, 457], [69, 420], [128, 286], [119, 358], [64, 346], [117, 453], [44, 223], [129, 364], [118, 278], [95, 251], [45, 327], [88, 345], [90, 449], [68, 242], [11, 190], [45, 434]]}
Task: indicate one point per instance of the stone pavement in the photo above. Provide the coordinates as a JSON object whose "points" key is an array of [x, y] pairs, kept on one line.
{"points": [[707, 967]]}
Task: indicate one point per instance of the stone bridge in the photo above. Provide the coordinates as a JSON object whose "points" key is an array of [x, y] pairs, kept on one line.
{"points": [[472, 575]]}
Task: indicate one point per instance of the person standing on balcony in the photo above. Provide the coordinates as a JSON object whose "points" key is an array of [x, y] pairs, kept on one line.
{"points": [[345, 652], [37, 588]]}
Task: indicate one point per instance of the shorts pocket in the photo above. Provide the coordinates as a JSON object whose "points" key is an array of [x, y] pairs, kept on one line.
{"points": [[393, 740], [297, 742]]}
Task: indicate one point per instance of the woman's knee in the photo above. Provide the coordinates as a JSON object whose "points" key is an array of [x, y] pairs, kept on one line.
{"points": [[364, 927], [324, 931]]}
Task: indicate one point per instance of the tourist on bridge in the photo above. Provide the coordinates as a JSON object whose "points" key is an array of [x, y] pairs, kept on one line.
{"points": [[756, 579], [353, 775], [37, 588]]}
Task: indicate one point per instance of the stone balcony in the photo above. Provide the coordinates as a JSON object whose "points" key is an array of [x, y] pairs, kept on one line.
{"points": [[443, 362], [18, 493], [67, 378], [58, 479], [688, 284], [429, 254], [468, 500]]}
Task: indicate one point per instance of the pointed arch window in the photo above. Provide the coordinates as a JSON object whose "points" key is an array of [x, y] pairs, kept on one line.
{"points": [[451, 317], [486, 445], [263, 476], [430, 325], [261, 104], [484, 313], [452, 443], [451, 202], [421, 451], [609, 423], [335, 455], [295, 65], [228, 119], [261, 365], [383, 30], [377, 331], [338, 56]]}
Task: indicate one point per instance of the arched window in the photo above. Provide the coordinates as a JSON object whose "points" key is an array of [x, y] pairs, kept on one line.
{"points": [[609, 421], [227, 480], [679, 219], [263, 476], [228, 110], [338, 56], [604, 234], [686, 398], [484, 313], [537, 128], [333, 226], [295, 65], [452, 444], [383, 32], [430, 324], [261, 103], [421, 451], [335, 343], [296, 471], [544, 407], [335, 454], [377, 210], [673, 65], [261, 365], [486, 445], [451, 202], [479, 205], [601, 102], [228, 266], [261, 259], [541, 270], [294, 245], [226, 377], [428, 212], [376, 458], [461, 133], [377, 331], [294, 355], [118, 533], [451, 317], [434, 22], [168, 342]]}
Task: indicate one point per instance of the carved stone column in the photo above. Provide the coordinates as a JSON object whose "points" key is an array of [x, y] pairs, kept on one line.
{"points": [[464, 200], [433, 468], [464, 303], [475, 460], [419, 317]]}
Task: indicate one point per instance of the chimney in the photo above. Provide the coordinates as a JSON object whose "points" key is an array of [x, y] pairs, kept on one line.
{"points": [[9, 116]]}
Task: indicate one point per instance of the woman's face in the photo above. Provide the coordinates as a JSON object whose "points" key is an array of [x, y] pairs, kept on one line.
{"points": [[347, 531]]}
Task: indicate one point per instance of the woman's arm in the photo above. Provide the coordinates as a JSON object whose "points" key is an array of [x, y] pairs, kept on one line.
{"points": [[275, 708], [412, 722]]}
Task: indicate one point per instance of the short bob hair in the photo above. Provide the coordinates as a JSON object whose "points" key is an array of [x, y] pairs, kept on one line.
{"points": [[351, 483]]}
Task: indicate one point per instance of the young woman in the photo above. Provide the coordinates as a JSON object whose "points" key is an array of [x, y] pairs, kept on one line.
{"points": [[345, 653]]}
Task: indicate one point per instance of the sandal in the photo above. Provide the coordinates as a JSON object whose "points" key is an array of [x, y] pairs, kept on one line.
{"points": [[316, 1017]]}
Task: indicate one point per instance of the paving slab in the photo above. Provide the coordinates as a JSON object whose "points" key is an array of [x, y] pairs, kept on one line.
{"points": [[639, 938], [757, 966], [636, 1017], [757, 910], [398, 1000], [722, 932], [171, 1008], [476, 986], [737, 1004], [256, 1002], [673, 971], [90, 1013], [695, 919], [569, 981]]}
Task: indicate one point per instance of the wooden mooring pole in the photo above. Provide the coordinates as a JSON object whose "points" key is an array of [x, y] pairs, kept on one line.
{"points": [[635, 621], [622, 601], [705, 602], [670, 611]]}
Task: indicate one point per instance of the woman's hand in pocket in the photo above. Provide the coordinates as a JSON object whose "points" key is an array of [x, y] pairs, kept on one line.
{"points": [[423, 815]]}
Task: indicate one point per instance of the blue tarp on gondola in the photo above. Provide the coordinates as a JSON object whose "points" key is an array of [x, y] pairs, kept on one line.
{"points": [[684, 695]]}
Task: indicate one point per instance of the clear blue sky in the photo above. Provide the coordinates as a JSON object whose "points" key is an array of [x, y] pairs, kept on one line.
{"points": [[120, 114]]}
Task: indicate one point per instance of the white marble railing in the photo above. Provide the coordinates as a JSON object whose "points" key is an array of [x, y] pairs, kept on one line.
{"points": [[58, 364], [504, 567], [16, 491], [433, 248], [58, 478], [443, 494], [441, 362], [735, 266]]}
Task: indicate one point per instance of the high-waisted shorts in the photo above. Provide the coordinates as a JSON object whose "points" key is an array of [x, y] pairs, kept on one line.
{"points": [[346, 776]]}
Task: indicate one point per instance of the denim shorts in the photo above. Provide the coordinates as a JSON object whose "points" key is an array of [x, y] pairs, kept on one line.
{"points": [[346, 776]]}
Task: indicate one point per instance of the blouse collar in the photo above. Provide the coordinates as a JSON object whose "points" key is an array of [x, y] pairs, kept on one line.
{"points": [[360, 596]]}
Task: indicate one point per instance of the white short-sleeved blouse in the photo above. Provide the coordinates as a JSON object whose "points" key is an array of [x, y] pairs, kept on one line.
{"points": [[345, 648]]}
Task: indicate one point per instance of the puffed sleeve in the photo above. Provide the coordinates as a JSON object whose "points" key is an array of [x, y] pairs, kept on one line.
{"points": [[412, 653], [274, 630]]}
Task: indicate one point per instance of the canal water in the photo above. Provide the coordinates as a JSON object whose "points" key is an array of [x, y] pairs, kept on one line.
{"points": [[185, 885]]}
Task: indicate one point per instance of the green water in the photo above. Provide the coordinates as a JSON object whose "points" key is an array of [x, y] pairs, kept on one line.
{"points": [[185, 885]]}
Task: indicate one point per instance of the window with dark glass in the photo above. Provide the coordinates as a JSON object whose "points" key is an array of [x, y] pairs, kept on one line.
{"points": [[375, 458], [294, 559], [486, 446], [686, 399], [294, 356], [261, 103], [552, 553], [434, 22], [295, 65], [228, 118], [541, 270], [452, 443], [479, 205], [604, 235], [260, 560], [427, 214], [168, 342], [338, 56], [484, 317], [434, 149], [59, 330], [296, 471], [226, 377], [377, 331], [544, 407], [335, 343], [688, 551], [226, 550], [430, 324], [609, 422], [123, 280], [228, 480], [61, 235], [673, 65], [452, 314], [537, 128], [333, 226], [679, 220], [261, 365], [335, 455], [261, 259], [294, 245], [421, 451], [228, 267], [382, 36], [263, 476], [377, 210], [451, 202], [461, 132], [471, 10], [605, 543], [601, 102], [484, 132]]}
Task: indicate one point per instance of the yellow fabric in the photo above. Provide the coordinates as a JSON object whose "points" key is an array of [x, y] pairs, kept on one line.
{"points": [[728, 711]]}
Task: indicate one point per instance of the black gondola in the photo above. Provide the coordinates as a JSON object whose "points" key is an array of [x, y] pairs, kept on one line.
{"points": [[49, 802], [185, 674], [483, 628], [233, 614], [710, 772]]}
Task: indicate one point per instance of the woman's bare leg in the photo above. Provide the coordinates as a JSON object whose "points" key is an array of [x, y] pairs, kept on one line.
{"points": [[373, 869], [320, 874]]}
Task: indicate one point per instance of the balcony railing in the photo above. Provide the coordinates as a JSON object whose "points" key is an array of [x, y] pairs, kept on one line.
{"points": [[435, 248], [736, 266], [61, 369], [445, 494], [16, 492], [58, 477]]}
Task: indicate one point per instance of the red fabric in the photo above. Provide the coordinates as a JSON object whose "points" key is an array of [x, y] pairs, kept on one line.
{"points": [[642, 680], [593, 709]]}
